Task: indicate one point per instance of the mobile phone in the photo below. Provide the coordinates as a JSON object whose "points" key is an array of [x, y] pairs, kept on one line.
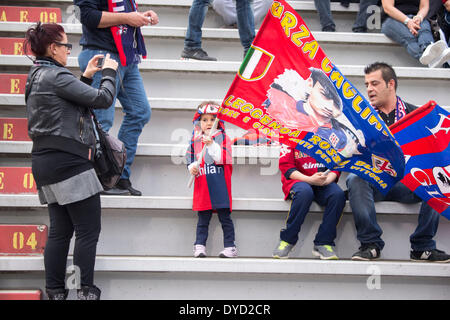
{"points": [[100, 62]]}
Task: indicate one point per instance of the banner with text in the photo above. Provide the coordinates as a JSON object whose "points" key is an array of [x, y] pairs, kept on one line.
{"points": [[288, 89]]}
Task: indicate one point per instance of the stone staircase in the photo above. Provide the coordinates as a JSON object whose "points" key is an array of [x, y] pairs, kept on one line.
{"points": [[145, 247]]}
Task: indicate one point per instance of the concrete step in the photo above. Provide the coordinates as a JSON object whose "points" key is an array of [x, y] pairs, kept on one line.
{"points": [[175, 13], [157, 103], [185, 203], [241, 265], [167, 42], [159, 76], [165, 226], [159, 170], [248, 278]]}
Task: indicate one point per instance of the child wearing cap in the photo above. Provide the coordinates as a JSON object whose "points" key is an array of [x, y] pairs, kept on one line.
{"points": [[212, 188]]}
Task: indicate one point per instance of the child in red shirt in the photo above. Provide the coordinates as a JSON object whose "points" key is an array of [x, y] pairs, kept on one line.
{"points": [[304, 181], [212, 189]]}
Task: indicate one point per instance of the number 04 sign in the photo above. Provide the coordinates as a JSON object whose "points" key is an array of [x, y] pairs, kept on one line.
{"points": [[22, 239]]}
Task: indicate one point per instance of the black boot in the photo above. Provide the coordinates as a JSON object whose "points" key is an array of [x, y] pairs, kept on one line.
{"points": [[88, 293], [57, 294], [125, 184]]}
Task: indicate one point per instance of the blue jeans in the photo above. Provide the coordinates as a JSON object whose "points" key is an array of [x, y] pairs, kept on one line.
{"points": [[303, 194], [324, 11], [361, 18], [363, 195], [204, 217], [415, 45], [131, 93], [197, 14]]}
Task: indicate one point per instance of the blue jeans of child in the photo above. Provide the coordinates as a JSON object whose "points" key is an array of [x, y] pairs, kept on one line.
{"points": [[303, 194], [197, 14], [204, 218], [131, 93], [398, 32], [363, 195]]}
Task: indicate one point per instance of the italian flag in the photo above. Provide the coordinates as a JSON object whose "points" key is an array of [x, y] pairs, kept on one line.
{"points": [[256, 64]]}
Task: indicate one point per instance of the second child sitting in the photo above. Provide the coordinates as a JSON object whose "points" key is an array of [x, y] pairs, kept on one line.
{"points": [[304, 180], [212, 170]]}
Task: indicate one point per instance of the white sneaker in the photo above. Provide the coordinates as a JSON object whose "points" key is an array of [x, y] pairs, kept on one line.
{"points": [[199, 251], [432, 52], [228, 252], [445, 56]]}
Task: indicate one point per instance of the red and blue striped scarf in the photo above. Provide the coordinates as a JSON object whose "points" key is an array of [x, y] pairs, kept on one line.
{"points": [[129, 40]]}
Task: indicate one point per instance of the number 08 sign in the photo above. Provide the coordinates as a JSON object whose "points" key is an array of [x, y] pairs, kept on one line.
{"points": [[22, 239]]}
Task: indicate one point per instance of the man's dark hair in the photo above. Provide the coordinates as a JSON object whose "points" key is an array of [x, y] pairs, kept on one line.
{"points": [[330, 92], [387, 72]]}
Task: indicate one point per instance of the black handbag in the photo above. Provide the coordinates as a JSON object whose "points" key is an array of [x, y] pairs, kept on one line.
{"points": [[110, 156]]}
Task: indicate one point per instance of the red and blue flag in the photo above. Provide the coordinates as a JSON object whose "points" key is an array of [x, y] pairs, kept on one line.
{"points": [[424, 136]]}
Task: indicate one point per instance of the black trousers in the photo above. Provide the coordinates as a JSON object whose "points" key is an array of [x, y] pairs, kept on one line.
{"points": [[83, 217]]}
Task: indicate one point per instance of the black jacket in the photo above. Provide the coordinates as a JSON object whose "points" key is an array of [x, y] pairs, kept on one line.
{"points": [[90, 15], [58, 108]]}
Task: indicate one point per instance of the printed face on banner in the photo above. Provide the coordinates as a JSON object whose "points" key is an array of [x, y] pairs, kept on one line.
{"points": [[314, 105]]}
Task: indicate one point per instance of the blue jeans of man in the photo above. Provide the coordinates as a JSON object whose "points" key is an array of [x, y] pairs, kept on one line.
{"points": [[363, 195], [204, 217], [398, 32], [131, 93], [324, 10], [197, 14], [303, 194]]}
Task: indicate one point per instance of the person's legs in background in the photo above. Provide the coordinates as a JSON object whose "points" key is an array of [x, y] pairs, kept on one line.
{"points": [[360, 24], [193, 40], [245, 22], [325, 16]]}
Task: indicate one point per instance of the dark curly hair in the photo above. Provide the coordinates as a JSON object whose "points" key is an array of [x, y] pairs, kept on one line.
{"points": [[387, 72], [38, 37]]}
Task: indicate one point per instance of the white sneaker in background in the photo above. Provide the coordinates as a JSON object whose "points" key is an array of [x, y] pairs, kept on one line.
{"points": [[432, 52], [443, 58]]}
